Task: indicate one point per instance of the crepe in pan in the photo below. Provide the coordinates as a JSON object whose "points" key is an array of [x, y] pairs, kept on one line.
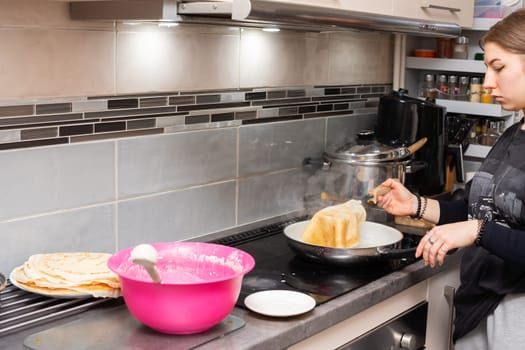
{"points": [[336, 226]]}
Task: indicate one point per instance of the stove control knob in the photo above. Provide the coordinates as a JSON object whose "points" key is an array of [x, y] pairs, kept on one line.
{"points": [[408, 341]]}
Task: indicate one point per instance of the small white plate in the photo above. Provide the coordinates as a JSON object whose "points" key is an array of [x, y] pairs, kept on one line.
{"points": [[279, 303]]}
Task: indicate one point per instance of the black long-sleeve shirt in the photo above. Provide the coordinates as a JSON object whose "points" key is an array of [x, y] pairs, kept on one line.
{"points": [[505, 242]]}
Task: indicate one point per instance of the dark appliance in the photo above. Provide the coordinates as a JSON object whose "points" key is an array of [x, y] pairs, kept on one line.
{"points": [[279, 267], [401, 121]]}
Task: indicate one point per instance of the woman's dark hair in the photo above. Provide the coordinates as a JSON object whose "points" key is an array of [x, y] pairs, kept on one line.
{"points": [[509, 33]]}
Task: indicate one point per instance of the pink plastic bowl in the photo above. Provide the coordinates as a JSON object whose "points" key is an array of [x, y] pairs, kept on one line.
{"points": [[200, 285]]}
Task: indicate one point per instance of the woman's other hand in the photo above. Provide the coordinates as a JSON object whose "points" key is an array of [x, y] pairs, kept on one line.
{"points": [[437, 242]]}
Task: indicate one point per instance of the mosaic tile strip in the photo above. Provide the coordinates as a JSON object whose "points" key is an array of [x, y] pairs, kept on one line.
{"points": [[91, 118]]}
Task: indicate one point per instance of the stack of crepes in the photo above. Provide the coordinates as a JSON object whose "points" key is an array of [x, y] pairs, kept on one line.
{"points": [[336, 226], [68, 274]]}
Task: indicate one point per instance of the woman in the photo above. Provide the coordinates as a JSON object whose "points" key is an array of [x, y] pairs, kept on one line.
{"points": [[490, 223]]}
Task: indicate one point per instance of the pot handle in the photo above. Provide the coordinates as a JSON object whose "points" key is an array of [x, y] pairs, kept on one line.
{"points": [[416, 145], [415, 166], [317, 162]]}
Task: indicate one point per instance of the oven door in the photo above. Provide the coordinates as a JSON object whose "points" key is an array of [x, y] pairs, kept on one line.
{"points": [[408, 331]]}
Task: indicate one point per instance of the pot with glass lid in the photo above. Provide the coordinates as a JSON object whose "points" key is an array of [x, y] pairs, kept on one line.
{"points": [[353, 170]]}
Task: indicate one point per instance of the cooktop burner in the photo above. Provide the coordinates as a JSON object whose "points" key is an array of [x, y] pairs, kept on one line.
{"points": [[278, 267]]}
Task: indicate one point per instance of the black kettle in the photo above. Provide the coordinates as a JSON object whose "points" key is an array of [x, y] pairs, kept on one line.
{"points": [[401, 121]]}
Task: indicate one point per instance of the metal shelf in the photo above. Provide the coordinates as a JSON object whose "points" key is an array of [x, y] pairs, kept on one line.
{"points": [[477, 151], [446, 64], [474, 108]]}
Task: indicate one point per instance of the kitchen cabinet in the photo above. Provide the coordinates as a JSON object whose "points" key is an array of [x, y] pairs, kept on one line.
{"points": [[451, 11], [382, 7]]}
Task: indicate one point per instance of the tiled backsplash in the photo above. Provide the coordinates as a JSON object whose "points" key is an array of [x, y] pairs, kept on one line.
{"points": [[105, 117], [114, 134], [207, 169]]}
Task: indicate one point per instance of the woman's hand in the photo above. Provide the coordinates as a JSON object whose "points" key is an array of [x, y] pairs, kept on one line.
{"points": [[399, 200], [434, 246]]}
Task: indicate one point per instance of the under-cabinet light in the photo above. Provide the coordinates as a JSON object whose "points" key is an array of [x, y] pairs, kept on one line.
{"points": [[168, 24], [271, 29]]}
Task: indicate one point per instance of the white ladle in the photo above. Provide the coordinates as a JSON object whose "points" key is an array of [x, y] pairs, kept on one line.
{"points": [[146, 255]]}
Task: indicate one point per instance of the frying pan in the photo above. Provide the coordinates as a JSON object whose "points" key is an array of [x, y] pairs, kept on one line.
{"points": [[377, 241]]}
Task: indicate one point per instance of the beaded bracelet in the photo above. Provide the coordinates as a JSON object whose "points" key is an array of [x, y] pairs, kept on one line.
{"points": [[425, 201], [481, 230], [418, 211]]}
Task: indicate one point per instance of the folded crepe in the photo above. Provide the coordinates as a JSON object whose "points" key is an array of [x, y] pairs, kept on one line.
{"points": [[336, 226]]}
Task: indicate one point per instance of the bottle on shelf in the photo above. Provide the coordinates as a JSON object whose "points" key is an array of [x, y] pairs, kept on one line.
{"points": [[442, 86], [453, 88], [429, 87], [475, 89], [464, 89], [461, 48], [485, 95]]}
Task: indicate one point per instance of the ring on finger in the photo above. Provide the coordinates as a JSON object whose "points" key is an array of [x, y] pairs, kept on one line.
{"points": [[430, 240]]}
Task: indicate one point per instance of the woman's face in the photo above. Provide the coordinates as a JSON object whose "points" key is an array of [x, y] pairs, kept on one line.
{"points": [[505, 76]]}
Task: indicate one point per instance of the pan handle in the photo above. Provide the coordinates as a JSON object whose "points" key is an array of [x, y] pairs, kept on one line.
{"points": [[394, 253]]}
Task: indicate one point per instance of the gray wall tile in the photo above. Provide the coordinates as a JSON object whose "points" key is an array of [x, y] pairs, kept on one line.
{"points": [[9, 135], [6, 111], [177, 215], [88, 229], [270, 195], [277, 146], [46, 179], [89, 106], [173, 161]]}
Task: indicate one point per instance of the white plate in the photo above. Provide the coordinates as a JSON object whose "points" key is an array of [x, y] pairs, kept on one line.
{"points": [[279, 303], [60, 295]]}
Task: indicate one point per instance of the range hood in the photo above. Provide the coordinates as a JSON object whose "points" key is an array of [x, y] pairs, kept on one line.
{"points": [[256, 13]]}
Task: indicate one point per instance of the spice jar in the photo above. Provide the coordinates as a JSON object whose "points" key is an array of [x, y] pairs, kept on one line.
{"points": [[453, 88], [442, 87], [429, 88], [444, 47], [464, 93], [485, 95], [461, 48], [475, 89]]}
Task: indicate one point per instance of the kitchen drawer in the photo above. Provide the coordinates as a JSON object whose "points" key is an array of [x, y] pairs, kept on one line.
{"points": [[451, 11]]}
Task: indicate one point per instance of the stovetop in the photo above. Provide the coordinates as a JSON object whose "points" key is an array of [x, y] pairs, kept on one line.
{"points": [[277, 266]]}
